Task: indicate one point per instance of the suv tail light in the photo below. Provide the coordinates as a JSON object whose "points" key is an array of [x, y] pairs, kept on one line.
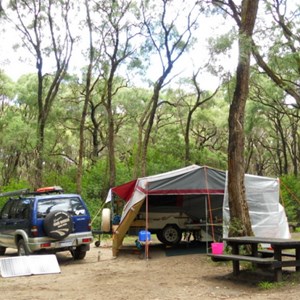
{"points": [[34, 231], [87, 240]]}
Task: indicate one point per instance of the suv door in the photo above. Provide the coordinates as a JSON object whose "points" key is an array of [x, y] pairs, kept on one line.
{"points": [[80, 215], [14, 216], [4, 220]]}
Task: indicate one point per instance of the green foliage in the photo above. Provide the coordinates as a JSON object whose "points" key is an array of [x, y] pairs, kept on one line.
{"points": [[6, 86], [215, 159], [67, 180], [290, 197], [267, 285], [160, 160], [26, 89], [14, 185], [236, 227], [222, 43], [94, 182]]}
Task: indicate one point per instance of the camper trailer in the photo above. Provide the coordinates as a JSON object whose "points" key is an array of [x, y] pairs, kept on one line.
{"points": [[172, 217], [194, 200]]}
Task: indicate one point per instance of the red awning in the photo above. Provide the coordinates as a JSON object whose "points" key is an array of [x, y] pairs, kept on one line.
{"points": [[125, 190]]}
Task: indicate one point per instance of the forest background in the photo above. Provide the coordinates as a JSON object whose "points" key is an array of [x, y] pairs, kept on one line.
{"points": [[122, 89]]}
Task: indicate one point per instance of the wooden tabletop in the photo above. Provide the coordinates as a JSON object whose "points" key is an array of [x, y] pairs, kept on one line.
{"points": [[264, 240]]}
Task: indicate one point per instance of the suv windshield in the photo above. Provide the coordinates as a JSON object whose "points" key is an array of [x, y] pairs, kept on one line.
{"points": [[72, 205]]}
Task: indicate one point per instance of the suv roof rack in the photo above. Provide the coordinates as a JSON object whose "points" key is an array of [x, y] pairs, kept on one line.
{"points": [[39, 191], [15, 193]]}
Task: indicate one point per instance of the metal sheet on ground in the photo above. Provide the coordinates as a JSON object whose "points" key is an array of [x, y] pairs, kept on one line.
{"points": [[29, 265]]}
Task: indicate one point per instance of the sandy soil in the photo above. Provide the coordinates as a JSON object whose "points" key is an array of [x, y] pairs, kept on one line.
{"points": [[131, 276]]}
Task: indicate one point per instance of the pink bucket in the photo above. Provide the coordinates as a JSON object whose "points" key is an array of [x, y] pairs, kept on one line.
{"points": [[217, 248]]}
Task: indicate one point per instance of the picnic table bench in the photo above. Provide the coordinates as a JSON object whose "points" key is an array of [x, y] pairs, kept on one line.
{"points": [[270, 253], [271, 258]]}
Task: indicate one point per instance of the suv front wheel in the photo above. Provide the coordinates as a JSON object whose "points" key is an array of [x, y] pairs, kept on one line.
{"points": [[22, 250]]}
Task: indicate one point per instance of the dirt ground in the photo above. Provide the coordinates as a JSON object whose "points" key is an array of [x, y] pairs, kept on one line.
{"points": [[131, 276]]}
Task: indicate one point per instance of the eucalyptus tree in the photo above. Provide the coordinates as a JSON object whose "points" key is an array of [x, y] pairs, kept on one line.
{"points": [[209, 133], [115, 28], [169, 31], [44, 31], [245, 17], [89, 85], [10, 120], [201, 97], [259, 143], [276, 45], [282, 124]]}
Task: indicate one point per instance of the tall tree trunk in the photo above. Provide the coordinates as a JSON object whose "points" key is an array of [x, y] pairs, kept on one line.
{"points": [[141, 124], [40, 125], [111, 148], [240, 223], [40, 154], [154, 101], [85, 104], [294, 147]]}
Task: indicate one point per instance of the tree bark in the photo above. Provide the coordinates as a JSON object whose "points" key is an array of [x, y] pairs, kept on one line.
{"points": [[240, 223]]}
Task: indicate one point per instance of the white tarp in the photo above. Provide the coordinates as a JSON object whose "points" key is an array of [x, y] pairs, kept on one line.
{"points": [[267, 215]]}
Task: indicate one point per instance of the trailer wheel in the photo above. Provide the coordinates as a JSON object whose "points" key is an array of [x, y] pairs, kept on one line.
{"points": [[105, 221], [171, 235], [160, 236]]}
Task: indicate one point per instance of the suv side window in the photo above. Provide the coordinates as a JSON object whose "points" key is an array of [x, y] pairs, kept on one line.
{"points": [[5, 213], [77, 207], [21, 209]]}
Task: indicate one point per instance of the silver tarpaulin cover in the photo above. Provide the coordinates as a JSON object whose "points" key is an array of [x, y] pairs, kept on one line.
{"points": [[29, 265]]}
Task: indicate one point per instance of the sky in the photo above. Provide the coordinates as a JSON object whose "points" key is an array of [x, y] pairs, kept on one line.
{"points": [[15, 63]]}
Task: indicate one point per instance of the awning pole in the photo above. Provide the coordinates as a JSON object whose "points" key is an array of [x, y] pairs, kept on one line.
{"points": [[147, 225], [209, 206]]}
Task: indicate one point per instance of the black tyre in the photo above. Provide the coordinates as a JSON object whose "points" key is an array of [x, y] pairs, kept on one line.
{"points": [[78, 253], [97, 244], [171, 235], [2, 250], [22, 250], [58, 224]]}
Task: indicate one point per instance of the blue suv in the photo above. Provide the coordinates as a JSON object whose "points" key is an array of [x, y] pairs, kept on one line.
{"points": [[46, 220]]}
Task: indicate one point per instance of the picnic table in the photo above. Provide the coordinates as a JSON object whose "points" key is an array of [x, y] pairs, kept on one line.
{"points": [[273, 258]]}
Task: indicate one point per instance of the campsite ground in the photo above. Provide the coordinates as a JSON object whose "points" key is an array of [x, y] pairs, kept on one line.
{"points": [[131, 276]]}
